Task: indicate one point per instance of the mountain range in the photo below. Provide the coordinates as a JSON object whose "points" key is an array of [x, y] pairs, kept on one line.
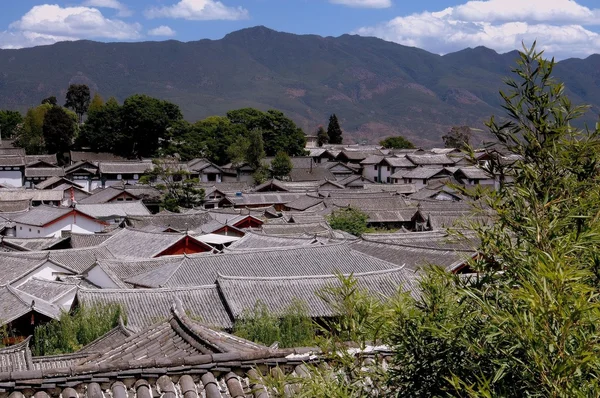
{"points": [[376, 88]]}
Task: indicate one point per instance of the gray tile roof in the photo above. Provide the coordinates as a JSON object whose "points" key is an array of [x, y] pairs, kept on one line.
{"points": [[430, 160], [296, 229], [120, 270], [102, 196], [16, 358], [79, 156], [145, 307], [44, 172], [42, 215], [8, 206], [399, 161], [294, 261], [304, 202], [253, 240], [263, 199], [30, 244], [79, 241], [50, 159], [314, 174], [374, 202], [15, 303], [132, 167], [177, 221], [421, 173], [43, 195], [132, 243], [474, 173], [242, 293], [113, 209], [17, 264], [49, 291], [15, 161]]}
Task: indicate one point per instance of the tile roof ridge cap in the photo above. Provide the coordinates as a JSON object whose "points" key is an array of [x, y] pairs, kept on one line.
{"points": [[290, 248], [295, 277], [413, 246], [145, 291]]}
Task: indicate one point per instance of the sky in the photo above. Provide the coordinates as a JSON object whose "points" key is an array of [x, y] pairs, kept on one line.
{"points": [[564, 28]]}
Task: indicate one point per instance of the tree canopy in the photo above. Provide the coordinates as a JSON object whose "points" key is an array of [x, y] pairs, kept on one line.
{"points": [[281, 165], [9, 123], [458, 137], [350, 220], [78, 99], [58, 130], [397, 142], [334, 131], [322, 136]]}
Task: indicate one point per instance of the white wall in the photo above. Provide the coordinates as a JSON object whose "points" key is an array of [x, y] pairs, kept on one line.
{"points": [[99, 278], [48, 271], [370, 172], [12, 177], [78, 224]]}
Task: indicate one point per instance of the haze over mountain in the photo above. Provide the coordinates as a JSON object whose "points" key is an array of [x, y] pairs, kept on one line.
{"points": [[376, 88]]}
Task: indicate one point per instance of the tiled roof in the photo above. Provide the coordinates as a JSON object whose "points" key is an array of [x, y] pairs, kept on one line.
{"points": [[30, 244], [145, 307], [42, 215], [320, 228], [242, 293], [101, 196], [399, 161], [15, 303], [475, 173], [372, 159], [295, 261], [44, 172], [38, 195], [16, 358], [52, 181], [87, 240], [49, 159], [177, 221], [429, 160], [7, 206], [265, 199], [314, 174], [253, 240], [113, 209], [304, 202], [134, 167], [49, 291], [79, 156], [15, 161], [421, 173]]}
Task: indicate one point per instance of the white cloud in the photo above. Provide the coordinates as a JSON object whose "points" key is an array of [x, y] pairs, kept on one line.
{"points": [[198, 10], [122, 9], [48, 23], [502, 25], [364, 3], [162, 30]]}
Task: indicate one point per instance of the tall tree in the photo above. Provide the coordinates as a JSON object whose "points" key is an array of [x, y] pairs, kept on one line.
{"points": [[145, 123], [31, 136], [58, 130], [9, 123], [397, 142], [102, 129], [96, 104], [334, 131], [255, 152], [281, 166], [50, 100], [78, 99], [322, 136], [458, 137]]}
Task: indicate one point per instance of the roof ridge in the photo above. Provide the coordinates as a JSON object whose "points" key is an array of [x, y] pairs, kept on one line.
{"points": [[413, 246], [275, 278], [147, 291]]}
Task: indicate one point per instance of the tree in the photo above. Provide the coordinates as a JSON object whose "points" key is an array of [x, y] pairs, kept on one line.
{"points": [[50, 100], [281, 165], [237, 152], [96, 104], [334, 131], [349, 219], [255, 152], [31, 136], [532, 329], [78, 99], [58, 131], [102, 131], [179, 189], [397, 142], [144, 124], [9, 123], [458, 137], [322, 136]]}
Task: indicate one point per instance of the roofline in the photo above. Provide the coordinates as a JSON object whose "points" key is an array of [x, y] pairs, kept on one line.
{"points": [[276, 278]]}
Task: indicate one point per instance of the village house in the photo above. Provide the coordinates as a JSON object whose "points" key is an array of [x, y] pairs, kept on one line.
{"points": [[46, 220]]}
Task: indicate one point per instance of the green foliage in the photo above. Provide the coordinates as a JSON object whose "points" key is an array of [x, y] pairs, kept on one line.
{"points": [[281, 165], [255, 151], [96, 104], [31, 136], [58, 130], [397, 142], [458, 137], [349, 219], [9, 123], [322, 136], [238, 150], [179, 190], [102, 129], [261, 174], [50, 100], [334, 131], [531, 330], [292, 328], [72, 331], [78, 99]]}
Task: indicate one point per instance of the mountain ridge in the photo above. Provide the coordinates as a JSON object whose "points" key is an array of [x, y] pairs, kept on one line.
{"points": [[376, 87]]}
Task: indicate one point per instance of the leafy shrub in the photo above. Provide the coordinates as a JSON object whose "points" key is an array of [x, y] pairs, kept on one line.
{"points": [[350, 220]]}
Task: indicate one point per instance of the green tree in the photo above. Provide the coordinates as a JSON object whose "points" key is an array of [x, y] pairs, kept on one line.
{"points": [[78, 99], [96, 104], [102, 131], [31, 136], [458, 137], [322, 136], [50, 100], [334, 131], [532, 329], [281, 165], [237, 152], [58, 131], [255, 152], [349, 219], [144, 124], [397, 142], [9, 123], [179, 190]]}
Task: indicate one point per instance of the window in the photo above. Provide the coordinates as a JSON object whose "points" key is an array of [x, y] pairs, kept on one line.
{"points": [[424, 181], [119, 176], [129, 200], [21, 228], [388, 180], [119, 199], [29, 229], [38, 231], [135, 176], [388, 168], [375, 179], [375, 167]]}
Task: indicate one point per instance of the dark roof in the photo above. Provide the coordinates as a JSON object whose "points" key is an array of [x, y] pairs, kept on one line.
{"points": [[30, 244], [8, 206], [145, 307], [15, 303], [48, 159], [304, 202], [422, 173], [294, 229], [278, 293], [16, 358], [79, 156], [292, 261], [102, 195], [44, 172], [15, 161], [314, 174], [177, 221], [264, 199], [430, 159], [134, 167]]}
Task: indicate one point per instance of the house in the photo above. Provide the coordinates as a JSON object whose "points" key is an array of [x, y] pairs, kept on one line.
{"points": [[35, 197], [93, 157], [473, 175], [321, 155], [113, 212], [112, 173], [85, 174], [204, 170], [421, 176], [49, 221], [341, 170], [12, 170], [239, 173], [40, 171], [256, 200]]}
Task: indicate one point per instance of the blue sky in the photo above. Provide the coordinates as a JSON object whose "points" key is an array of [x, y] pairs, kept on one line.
{"points": [[566, 28]]}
